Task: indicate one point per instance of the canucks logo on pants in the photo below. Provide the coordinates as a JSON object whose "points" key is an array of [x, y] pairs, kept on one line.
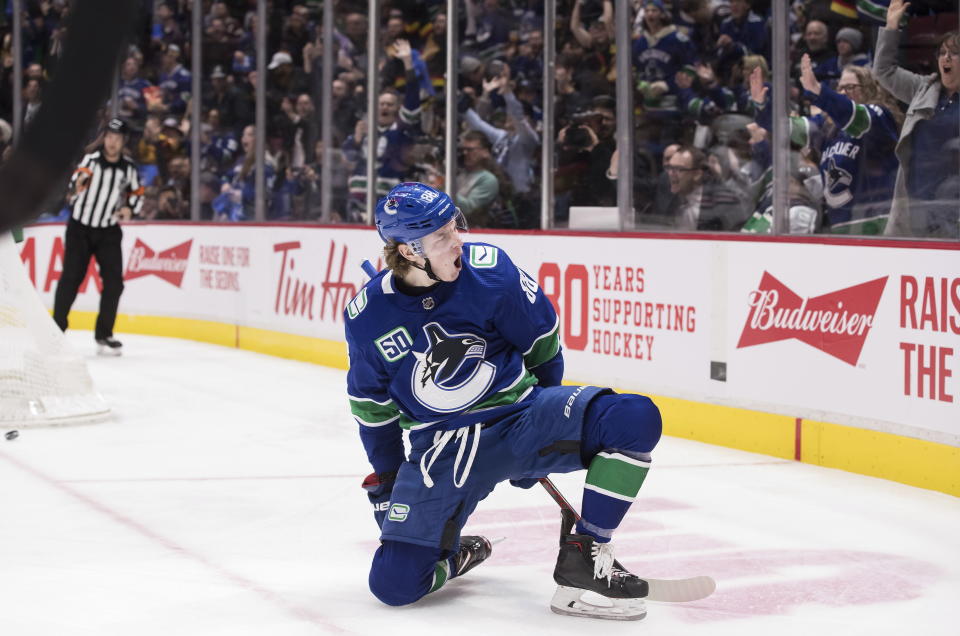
{"points": [[438, 381]]}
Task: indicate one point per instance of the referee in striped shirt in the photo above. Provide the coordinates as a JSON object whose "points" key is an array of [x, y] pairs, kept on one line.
{"points": [[105, 188]]}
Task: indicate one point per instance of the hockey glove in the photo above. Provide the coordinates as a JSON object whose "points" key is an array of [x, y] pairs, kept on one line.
{"points": [[379, 487]]}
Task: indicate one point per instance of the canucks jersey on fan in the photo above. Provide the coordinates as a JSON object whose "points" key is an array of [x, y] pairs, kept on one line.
{"points": [[857, 162], [856, 192], [450, 357]]}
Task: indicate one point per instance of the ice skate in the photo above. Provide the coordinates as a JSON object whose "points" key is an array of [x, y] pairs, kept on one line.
{"points": [[109, 346], [473, 551], [588, 583]]}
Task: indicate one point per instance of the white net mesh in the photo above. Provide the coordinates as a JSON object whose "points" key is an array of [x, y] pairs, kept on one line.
{"points": [[42, 381]]}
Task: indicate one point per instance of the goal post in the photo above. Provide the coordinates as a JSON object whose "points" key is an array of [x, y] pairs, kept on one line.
{"points": [[42, 380]]}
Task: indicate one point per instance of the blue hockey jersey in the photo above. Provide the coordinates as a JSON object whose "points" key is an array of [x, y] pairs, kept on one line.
{"points": [[857, 162], [751, 33], [467, 351], [658, 57]]}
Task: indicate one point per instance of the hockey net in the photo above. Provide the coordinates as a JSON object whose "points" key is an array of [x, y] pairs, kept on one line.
{"points": [[42, 381]]}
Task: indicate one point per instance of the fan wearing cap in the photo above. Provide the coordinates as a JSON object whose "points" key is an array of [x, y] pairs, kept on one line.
{"points": [[457, 345], [104, 189], [283, 79], [848, 42], [222, 97]]}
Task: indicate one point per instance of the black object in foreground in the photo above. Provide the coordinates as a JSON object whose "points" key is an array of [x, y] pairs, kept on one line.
{"points": [[47, 150]]}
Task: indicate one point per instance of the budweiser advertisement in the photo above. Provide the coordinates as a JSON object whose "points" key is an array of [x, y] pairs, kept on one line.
{"points": [[867, 336], [169, 264], [836, 323], [849, 334]]}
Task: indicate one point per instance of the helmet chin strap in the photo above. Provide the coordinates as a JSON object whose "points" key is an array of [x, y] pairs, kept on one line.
{"points": [[427, 269]]}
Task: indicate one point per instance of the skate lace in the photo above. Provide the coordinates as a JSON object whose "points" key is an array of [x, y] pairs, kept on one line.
{"points": [[602, 554], [603, 559]]}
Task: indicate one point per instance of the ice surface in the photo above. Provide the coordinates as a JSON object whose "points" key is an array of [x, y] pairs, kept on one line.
{"points": [[224, 498]]}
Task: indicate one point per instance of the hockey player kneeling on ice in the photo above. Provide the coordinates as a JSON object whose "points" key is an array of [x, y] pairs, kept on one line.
{"points": [[460, 347]]}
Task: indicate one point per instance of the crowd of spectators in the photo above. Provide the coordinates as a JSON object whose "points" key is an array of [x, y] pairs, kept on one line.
{"points": [[701, 156]]}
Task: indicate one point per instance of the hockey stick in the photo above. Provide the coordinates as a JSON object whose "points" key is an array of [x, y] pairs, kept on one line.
{"points": [[662, 590], [368, 268]]}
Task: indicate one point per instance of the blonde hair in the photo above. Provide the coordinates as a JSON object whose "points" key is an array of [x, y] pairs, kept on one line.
{"points": [[872, 93], [395, 260], [752, 61]]}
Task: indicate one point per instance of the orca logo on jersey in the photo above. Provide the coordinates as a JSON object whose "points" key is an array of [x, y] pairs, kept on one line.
{"points": [[837, 191], [438, 381]]}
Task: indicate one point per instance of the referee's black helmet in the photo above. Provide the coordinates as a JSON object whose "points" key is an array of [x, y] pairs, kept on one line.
{"points": [[118, 126]]}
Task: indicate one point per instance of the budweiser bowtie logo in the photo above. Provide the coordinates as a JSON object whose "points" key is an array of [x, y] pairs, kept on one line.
{"points": [[836, 323], [169, 264]]}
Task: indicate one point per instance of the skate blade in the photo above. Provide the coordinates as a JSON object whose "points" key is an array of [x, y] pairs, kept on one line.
{"points": [[572, 601], [108, 351]]}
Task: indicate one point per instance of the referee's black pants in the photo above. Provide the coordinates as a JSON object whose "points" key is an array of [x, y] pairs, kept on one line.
{"points": [[81, 243]]}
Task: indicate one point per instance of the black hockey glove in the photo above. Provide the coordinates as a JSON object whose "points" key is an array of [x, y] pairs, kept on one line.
{"points": [[379, 487]]}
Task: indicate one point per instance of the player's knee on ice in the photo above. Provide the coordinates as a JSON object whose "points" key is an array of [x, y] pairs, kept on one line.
{"points": [[625, 422], [402, 573]]}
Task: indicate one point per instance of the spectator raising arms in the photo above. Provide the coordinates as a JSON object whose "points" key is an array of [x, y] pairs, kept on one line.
{"points": [[859, 128], [398, 127], [927, 197], [516, 144]]}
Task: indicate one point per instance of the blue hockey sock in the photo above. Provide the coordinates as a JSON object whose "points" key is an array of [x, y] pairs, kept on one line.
{"points": [[613, 481]]}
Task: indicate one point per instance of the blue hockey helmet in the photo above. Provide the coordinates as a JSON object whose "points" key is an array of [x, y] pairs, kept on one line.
{"points": [[413, 210]]}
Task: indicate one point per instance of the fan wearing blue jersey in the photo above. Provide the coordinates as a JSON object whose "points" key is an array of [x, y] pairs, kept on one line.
{"points": [[857, 163], [659, 53], [458, 346]]}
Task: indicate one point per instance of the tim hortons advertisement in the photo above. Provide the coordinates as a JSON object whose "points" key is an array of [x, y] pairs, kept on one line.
{"points": [[872, 333]]}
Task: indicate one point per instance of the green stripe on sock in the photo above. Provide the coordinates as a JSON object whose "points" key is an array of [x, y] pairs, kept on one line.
{"points": [[617, 475], [440, 575]]}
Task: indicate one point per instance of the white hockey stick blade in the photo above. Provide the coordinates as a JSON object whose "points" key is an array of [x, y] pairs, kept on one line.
{"points": [[680, 590]]}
